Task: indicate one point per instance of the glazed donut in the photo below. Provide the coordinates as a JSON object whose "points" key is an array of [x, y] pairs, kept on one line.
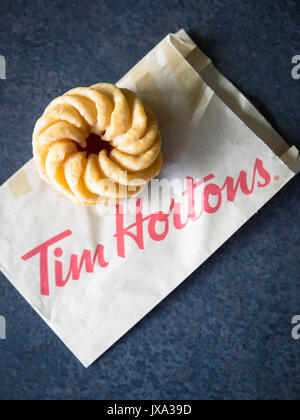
{"points": [[97, 145]]}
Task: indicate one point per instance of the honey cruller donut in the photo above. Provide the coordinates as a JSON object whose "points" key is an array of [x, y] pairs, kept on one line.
{"points": [[97, 145]]}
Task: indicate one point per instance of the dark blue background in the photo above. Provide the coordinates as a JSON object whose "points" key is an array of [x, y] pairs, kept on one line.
{"points": [[226, 332]]}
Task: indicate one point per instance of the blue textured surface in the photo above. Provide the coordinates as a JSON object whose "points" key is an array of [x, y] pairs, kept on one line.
{"points": [[226, 332]]}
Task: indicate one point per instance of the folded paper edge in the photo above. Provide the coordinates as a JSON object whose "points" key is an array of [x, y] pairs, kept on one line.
{"points": [[291, 159], [234, 99]]}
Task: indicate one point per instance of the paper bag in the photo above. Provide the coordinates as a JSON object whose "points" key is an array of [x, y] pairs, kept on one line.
{"points": [[93, 274]]}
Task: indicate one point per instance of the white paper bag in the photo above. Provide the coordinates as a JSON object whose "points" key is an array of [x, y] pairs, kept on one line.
{"points": [[93, 274]]}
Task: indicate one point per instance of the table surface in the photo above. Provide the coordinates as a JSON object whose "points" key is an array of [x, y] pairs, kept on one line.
{"points": [[225, 333]]}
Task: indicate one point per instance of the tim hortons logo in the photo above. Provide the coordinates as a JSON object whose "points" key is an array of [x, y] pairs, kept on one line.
{"points": [[156, 226]]}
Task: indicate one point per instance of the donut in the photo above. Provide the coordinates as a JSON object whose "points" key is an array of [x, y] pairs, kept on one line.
{"points": [[97, 145]]}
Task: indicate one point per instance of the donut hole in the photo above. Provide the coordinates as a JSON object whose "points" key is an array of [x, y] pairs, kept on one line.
{"points": [[94, 145]]}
